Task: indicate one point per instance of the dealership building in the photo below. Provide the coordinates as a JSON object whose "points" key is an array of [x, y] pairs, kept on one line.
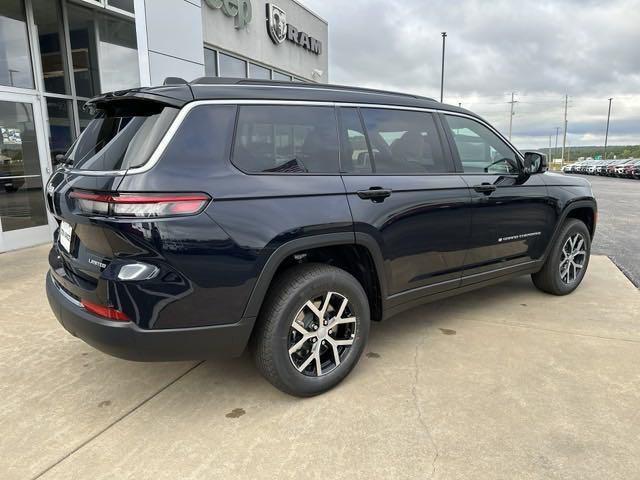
{"points": [[56, 54]]}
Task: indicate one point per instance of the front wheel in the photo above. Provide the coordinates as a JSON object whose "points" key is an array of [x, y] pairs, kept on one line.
{"points": [[312, 329], [568, 260]]}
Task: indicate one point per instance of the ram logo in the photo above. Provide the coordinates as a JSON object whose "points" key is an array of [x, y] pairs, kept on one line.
{"points": [[276, 23]]}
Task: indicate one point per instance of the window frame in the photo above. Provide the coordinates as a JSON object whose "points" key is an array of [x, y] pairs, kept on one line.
{"points": [[292, 174], [455, 155], [433, 113]]}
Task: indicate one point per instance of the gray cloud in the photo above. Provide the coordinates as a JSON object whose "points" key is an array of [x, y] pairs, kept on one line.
{"points": [[540, 49]]}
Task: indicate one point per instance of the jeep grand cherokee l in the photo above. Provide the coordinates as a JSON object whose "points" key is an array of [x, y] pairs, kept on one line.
{"points": [[198, 219]]}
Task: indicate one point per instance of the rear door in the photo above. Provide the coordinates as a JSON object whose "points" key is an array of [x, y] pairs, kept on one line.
{"points": [[404, 194], [512, 217]]}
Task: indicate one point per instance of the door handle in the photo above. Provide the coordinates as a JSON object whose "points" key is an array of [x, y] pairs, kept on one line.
{"points": [[486, 188], [375, 194]]}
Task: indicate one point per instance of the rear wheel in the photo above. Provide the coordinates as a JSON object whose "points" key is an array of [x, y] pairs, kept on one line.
{"points": [[568, 260], [312, 329]]}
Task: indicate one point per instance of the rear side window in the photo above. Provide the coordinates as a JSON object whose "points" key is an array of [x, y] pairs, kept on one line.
{"points": [[203, 141], [121, 139], [287, 140], [404, 142]]}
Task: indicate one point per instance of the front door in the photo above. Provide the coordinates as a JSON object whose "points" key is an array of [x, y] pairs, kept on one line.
{"points": [[403, 192], [23, 161], [512, 217]]}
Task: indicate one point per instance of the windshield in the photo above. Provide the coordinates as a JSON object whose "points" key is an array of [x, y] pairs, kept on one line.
{"points": [[119, 141]]}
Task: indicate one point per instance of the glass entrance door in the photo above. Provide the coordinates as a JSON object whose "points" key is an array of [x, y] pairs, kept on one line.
{"points": [[23, 164]]}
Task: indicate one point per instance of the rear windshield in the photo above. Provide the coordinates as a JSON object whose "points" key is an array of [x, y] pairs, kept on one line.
{"points": [[119, 141]]}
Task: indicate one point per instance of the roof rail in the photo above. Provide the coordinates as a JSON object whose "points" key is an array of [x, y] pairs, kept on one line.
{"points": [[267, 83]]}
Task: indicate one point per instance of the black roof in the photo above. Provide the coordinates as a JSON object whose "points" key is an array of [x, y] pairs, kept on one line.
{"points": [[178, 92]]}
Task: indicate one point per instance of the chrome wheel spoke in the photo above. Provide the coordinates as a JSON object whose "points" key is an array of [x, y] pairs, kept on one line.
{"points": [[306, 363], [344, 321], [336, 354], [300, 329], [310, 305], [299, 345], [340, 343], [318, 363]]}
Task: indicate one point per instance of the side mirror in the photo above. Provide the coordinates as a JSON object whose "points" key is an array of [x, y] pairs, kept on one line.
{"points": [[535, 162]]}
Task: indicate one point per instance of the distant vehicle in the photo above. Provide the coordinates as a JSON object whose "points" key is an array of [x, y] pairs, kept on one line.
{"points": [[619, 168], [626, 171]]}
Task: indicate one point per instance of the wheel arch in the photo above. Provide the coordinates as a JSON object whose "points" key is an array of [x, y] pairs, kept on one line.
{"points": [[585, 210], [338, 249]]}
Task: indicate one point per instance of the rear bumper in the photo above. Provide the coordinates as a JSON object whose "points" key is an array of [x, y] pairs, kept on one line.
{"points": [[130, 342]]}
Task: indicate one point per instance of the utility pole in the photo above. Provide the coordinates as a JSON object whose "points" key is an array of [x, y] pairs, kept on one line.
{"points": [[555, 150], [444, 39], [606, 135], [564, 141], [512, 102], [550, 158]]}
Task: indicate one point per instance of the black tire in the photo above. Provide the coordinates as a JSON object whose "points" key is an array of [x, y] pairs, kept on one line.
{"points": [[549, 279], [274, 332]]}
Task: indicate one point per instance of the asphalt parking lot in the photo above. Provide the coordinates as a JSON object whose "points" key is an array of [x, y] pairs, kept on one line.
{"points": [[505, 383], [618, 223]]}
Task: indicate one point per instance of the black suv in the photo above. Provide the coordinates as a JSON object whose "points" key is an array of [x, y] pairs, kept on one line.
{"points": [[197, 219]]}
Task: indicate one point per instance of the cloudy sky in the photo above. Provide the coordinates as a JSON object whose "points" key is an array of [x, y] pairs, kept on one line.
{"points": [[541, 49]]}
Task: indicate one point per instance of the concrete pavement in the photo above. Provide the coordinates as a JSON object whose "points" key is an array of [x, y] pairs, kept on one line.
{"points": [[505, 382]]}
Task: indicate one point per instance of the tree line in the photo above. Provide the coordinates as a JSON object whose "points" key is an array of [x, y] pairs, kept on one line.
{"points": [[619, 151]]}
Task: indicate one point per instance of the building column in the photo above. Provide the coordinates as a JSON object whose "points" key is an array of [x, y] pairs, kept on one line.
{"points": [[170, 42]]}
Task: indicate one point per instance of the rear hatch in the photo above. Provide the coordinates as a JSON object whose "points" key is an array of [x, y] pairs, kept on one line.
{"points": [[83, 194]]}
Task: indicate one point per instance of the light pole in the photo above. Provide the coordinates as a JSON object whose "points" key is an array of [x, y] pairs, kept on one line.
{"points": [[555, 150], [512, 102], [444, 40], [606, 135]]}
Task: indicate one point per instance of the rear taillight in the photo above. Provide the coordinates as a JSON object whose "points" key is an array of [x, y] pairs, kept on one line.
{"points": [[105, 312], [140, 205]]}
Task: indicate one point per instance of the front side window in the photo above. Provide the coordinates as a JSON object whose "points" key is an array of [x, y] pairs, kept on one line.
{"points": [[404, 142], [283, 139], [118, 140], [480, 150]]}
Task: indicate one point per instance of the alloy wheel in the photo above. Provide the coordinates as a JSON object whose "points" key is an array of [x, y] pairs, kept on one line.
{"points": [[322, 334], [573, 258]]}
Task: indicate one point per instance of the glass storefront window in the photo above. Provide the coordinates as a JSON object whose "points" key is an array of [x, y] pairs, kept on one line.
{"points": [[15, 58], [281, 76], [84, 51], [113, 41], [21, 196], [126, 5], [47, 16], [60, 126], [232, 67], [210, 63], [256, 71], [118, 54]]}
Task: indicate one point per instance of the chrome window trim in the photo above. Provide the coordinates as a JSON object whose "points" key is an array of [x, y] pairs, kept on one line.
{"points": [[177, 122]]}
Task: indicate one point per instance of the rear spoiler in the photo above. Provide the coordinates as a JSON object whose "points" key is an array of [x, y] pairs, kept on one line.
{"points": [[170, 95]]}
